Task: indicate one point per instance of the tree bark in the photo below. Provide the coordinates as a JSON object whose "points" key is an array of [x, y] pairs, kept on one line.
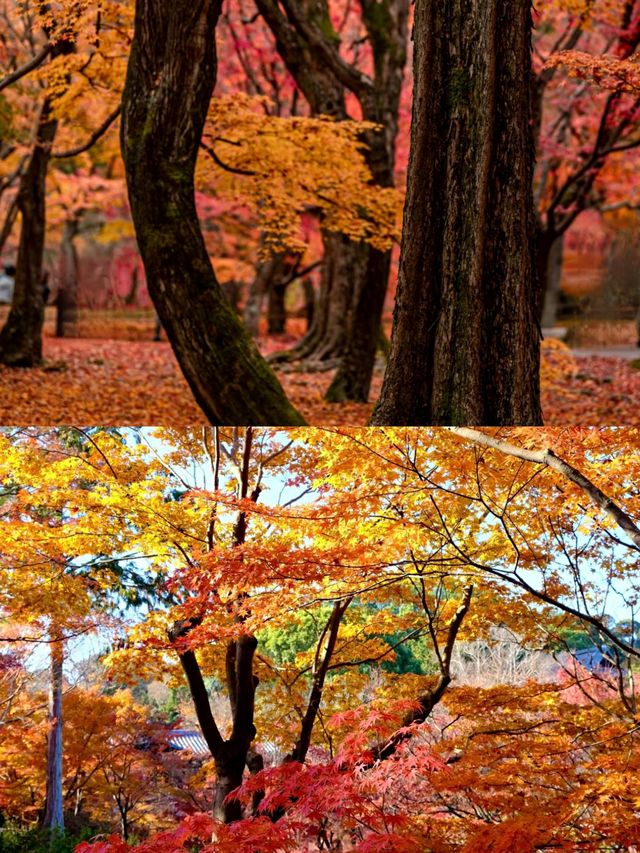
{"points": [[386, 23], [355, 276], [21, 336], [342, 269], [277, 312], [466, 344], [267, 272], [552, 279], [53, 815], [67, 301], [170, 79]]}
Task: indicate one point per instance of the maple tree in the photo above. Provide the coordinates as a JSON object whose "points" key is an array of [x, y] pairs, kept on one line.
{"points": [[584, 132], [320, 590], [299, 155]]}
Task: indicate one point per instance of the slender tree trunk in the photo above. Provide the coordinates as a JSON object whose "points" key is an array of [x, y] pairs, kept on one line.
{"points": [[309, 301], [170, 79], [386, 22], [21, 336], [466, 345], [553, 276], [277, 313], [67, 302], [131, 297], [342, 270], [353, 378], [53, 815], [266, 273]]}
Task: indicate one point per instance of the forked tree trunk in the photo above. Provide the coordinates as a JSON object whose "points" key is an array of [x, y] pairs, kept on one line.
{"points": [[53, 815], [170, 79], [465, 346], [21, 336]]}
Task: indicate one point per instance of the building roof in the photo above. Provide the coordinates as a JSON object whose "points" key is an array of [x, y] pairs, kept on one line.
{"points": [[191, 740]]}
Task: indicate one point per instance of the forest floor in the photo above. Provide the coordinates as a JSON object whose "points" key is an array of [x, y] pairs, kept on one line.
{"points": [[91, 381]]}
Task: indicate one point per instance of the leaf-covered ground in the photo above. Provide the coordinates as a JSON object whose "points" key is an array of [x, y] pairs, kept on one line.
{"points": [[125, 382]]}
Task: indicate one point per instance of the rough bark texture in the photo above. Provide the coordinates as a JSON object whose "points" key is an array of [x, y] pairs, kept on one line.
{"points": [[465, 344], [53, 815], [170, 79], [21, 336]]}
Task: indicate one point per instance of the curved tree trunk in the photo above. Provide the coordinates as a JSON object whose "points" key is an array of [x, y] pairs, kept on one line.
{"points": [[466, 343], [170, 79], [21, 336]]}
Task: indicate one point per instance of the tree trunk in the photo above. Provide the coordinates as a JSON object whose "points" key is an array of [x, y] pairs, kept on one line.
{"points": [[309, 301], [21, 336], [342, 269], [67, 301], [130, 298], [267, 272], [229, 773], [53, 815], [386, 23], [466, 344], [277, 313], [552, 280], [170, 79], [353, 378]]}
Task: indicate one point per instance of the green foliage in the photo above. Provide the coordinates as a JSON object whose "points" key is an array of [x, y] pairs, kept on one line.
{"points": [[15, 839], [414, 657], [283, 644]]}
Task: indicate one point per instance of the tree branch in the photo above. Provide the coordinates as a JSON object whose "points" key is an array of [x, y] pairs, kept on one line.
{"points": [[95, 136], [549, 459], [33, 63]]}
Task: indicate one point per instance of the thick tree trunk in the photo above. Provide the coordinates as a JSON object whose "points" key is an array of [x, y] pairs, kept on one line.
{"points": [[67, 301], [53, 815], [170, 79], [465, 346], [21, 336], [552, 279], [229, 773]]}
